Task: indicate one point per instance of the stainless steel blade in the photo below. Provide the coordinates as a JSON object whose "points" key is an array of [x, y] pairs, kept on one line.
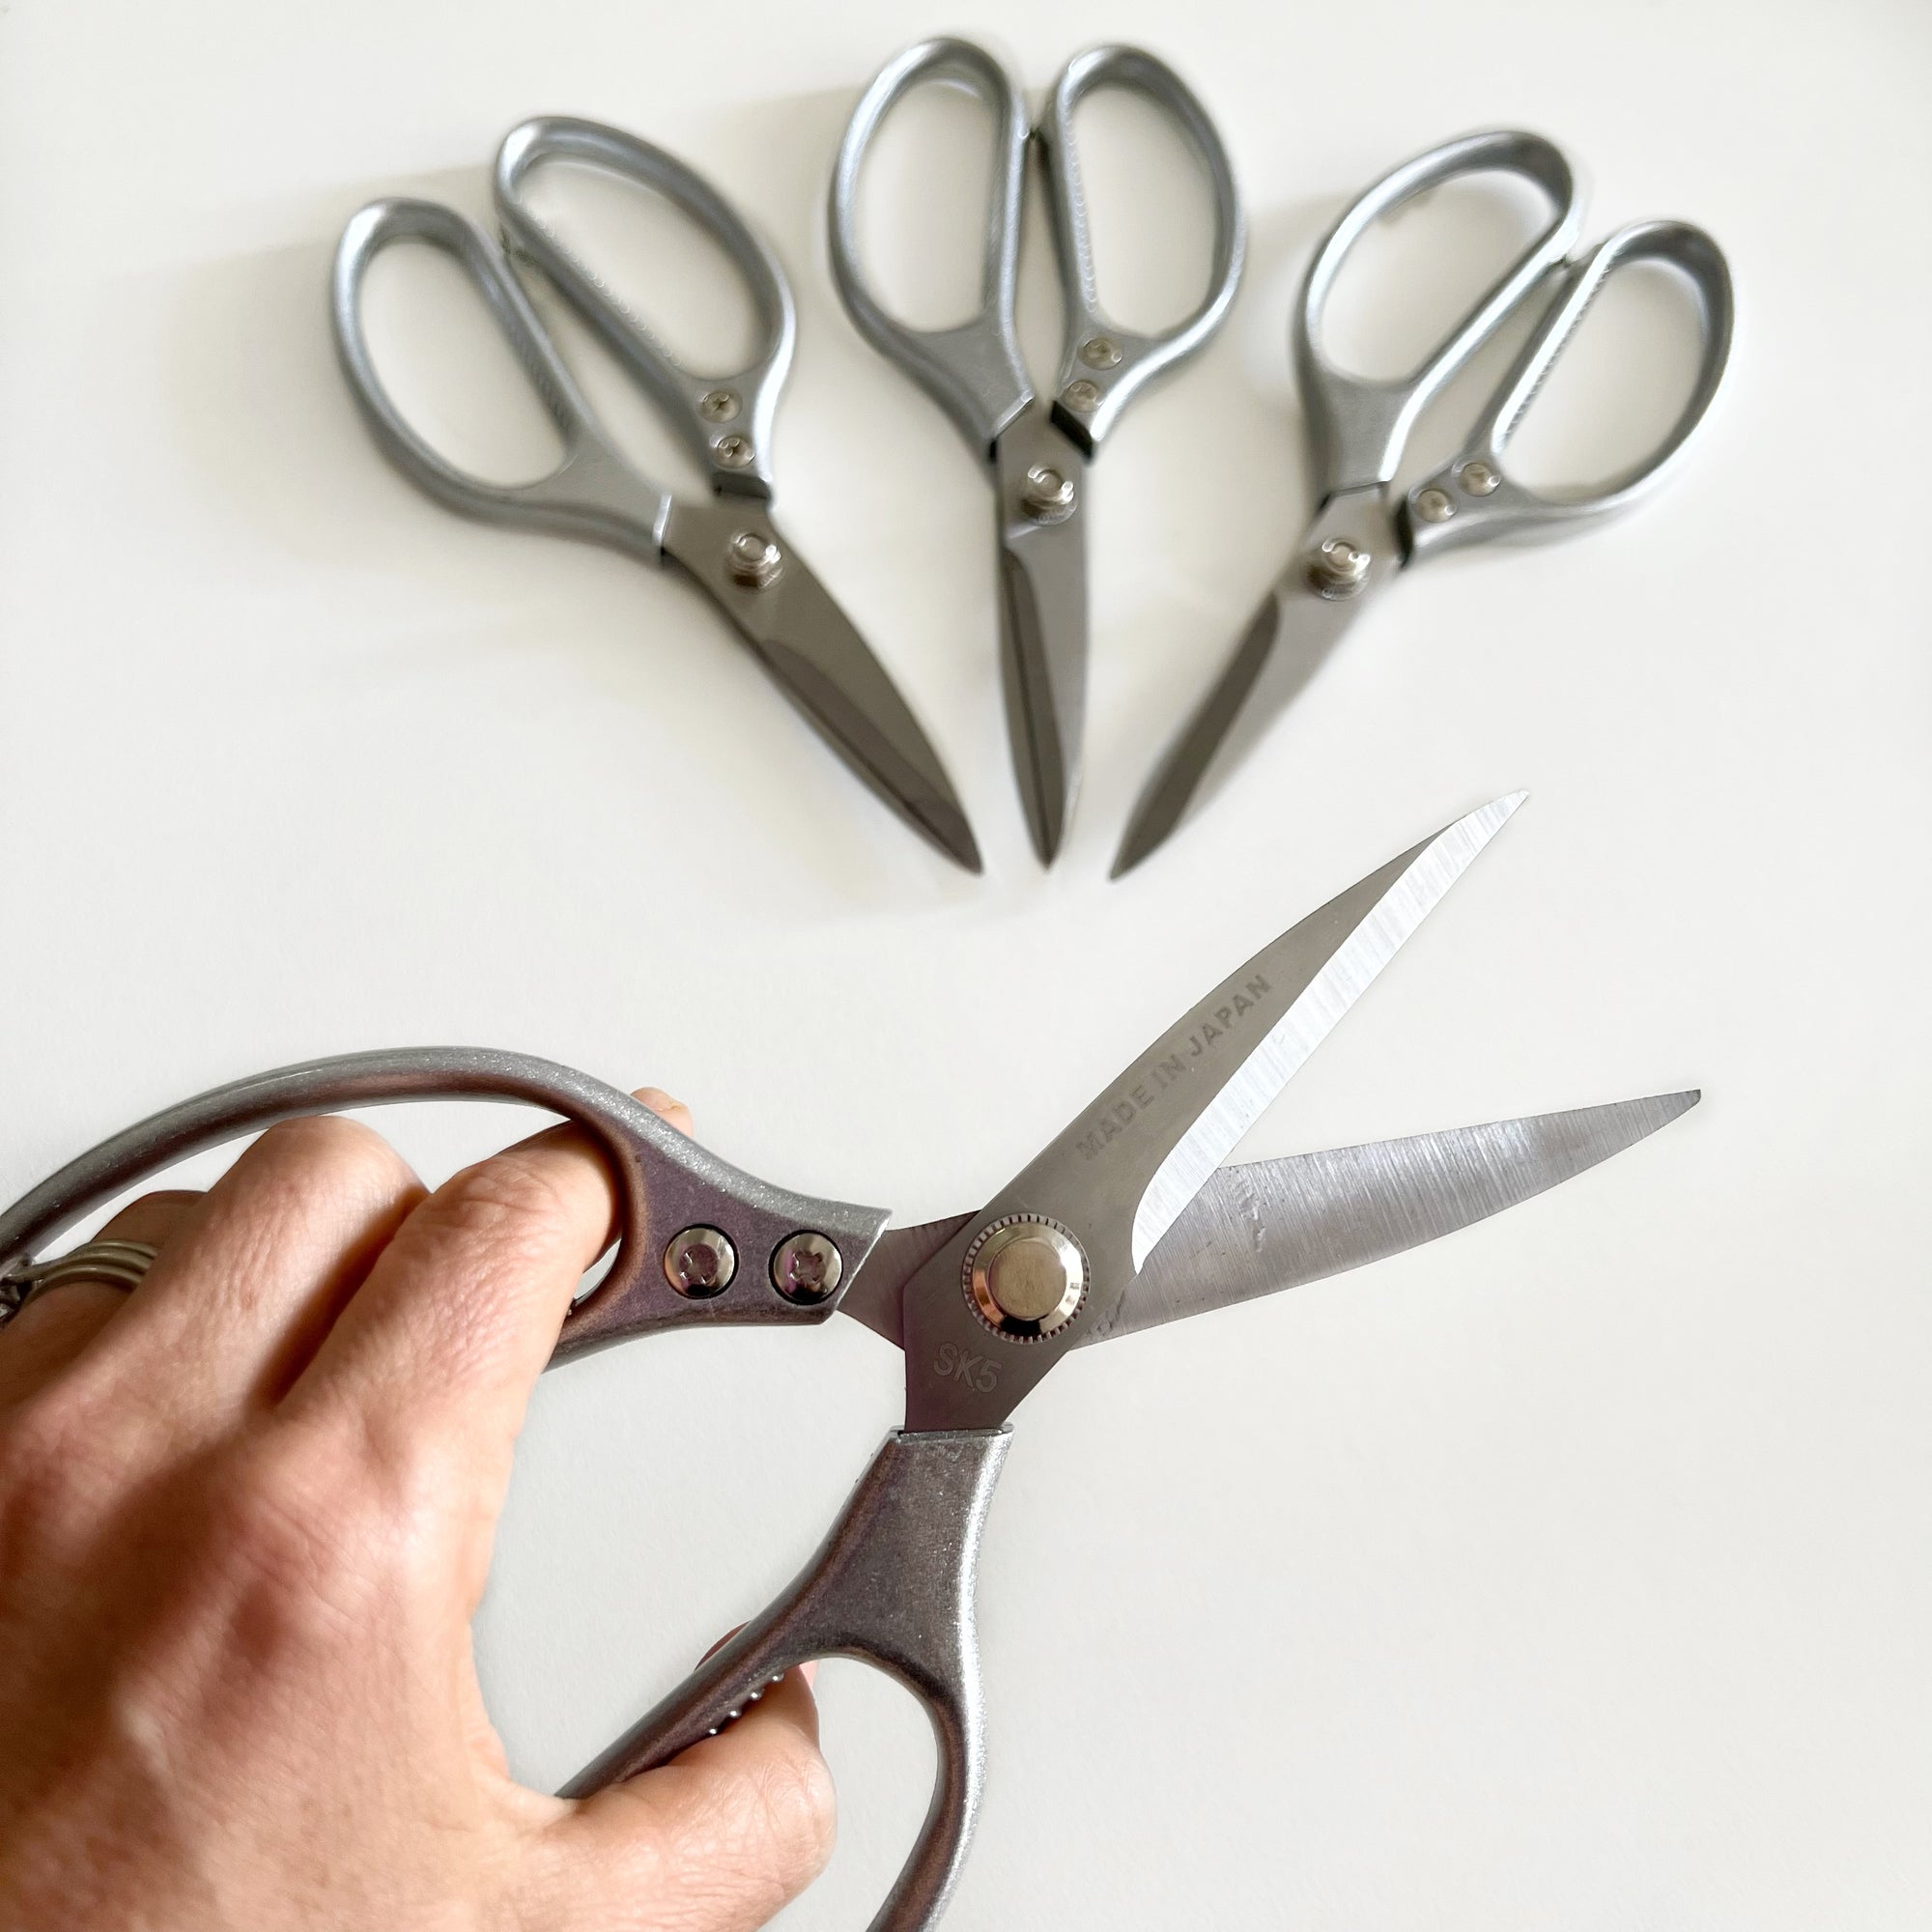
{"points": [[899, 1254], [1043, 484], [810, 648], [1267, 1225], [1286, 643]]}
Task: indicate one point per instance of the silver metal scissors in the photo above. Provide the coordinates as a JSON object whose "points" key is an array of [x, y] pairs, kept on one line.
{"points": [[1036, 449], [1362, 534], [1127, 1220], [728, 543]]}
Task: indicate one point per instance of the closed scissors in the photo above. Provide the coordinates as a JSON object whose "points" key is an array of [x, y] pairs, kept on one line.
{"points": [[1126, 1220], [726, 543], [1363, 534], [1036, 448]]}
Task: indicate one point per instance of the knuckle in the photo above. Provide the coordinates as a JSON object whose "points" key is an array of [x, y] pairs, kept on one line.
{"points": [[347, 1154], [64, 1464], [510, 1206]]}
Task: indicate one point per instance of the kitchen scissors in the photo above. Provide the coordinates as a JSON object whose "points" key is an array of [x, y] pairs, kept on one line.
{"points": [[1362, 533], [1036, 449], [728, 543], [1127, 1220]]}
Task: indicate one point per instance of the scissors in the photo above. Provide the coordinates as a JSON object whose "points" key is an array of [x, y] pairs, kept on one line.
{"points": [[727, 544], [1127, 1220], [1036, 449], [1362, 533]]}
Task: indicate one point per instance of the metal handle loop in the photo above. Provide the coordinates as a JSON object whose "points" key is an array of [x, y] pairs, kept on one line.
{"points": [[1357, 425], [592, 494], [1474, 497], [893, 1585], [665, 1183], [1103, 366], [972, 371], [726, 418]]}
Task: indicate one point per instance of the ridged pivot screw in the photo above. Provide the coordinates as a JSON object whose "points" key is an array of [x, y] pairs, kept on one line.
{"points": [[753, 560], [805, 1269], [1047, 495], [1081, 395], [1478, 478], [1434, 506], [718, 406], [1339, 568], [1100, 352], [699, 1263], [734, 452], [1026, 1278]]}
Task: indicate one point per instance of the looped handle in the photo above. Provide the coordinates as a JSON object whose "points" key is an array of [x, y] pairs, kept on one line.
{"points": [[592, 494], [665, 1183], [725, 419], [1474, 497], [892, 1585], [1357, 425], [972, 371], [1103, 366]]}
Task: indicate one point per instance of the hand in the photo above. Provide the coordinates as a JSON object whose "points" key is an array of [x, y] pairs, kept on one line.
{"points": [[246, 1516]]}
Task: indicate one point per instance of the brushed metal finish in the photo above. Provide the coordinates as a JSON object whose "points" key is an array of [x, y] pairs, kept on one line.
{"points": [[893, 1585]]}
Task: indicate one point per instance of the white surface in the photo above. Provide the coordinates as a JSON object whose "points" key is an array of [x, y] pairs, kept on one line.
{"points": [[1572, 1573]]}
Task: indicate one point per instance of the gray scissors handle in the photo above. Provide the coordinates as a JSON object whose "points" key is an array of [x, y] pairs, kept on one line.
{"points": [[592, 494], [972, 371], [1103, 366], [668, 1186], [725, 419], [893, 1585], [1357, 424], [1475, 498]]}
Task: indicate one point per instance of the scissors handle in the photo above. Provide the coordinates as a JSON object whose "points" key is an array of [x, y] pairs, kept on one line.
{"points": [[668, 1186], [893, 1585], [1474, 497], [592, 494], [725, 419], [972, 371], [1357, 424], [1103, 366]]}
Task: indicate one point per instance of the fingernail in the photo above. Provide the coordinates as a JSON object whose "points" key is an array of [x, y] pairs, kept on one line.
{"points": [[660, 1102]]}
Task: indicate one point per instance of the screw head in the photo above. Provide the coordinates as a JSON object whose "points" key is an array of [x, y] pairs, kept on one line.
{"points": [[1338, 568], [699, 1263], [1434, 506], [1479, 479], [755, 562], [1048, 495], [805, 1269], [734, 452], [1081, 395], [1026, 1278], [718, 406], [1100, 352]]}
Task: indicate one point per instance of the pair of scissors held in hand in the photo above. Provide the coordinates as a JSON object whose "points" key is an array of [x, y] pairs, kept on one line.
{"points": [[1036, 448], [1363, 533], [728, 543], [1124, 1221]]}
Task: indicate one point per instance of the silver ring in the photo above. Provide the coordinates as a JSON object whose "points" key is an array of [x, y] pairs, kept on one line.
{"points": [[114, 1264]]}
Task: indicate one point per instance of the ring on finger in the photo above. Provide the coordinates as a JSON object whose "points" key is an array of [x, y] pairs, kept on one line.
{"points": [[109, 1263]]}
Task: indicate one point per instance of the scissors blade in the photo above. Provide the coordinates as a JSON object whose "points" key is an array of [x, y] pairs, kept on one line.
{"points": [[810, 648], [899, 1254], [1042, 485], [1286, 643], [1268, 1225]]}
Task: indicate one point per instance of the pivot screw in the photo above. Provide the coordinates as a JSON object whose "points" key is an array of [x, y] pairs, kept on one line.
{"points": [[699, 1263], [1339, 568], [1100, 352], [754, 562], [1434, 506], [1026, 1278], [734, 452], [718, 406], [1477, 478], [1047, 495], [1081, 395], [805, 1269]]}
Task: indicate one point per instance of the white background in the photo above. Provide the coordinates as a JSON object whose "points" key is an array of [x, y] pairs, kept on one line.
{"points": [[1572, 1573]]}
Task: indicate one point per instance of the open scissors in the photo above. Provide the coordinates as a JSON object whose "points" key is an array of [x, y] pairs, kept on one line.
{"points": [[1036, 449], [1362, 534], [1127, 1220], [728, 543]]}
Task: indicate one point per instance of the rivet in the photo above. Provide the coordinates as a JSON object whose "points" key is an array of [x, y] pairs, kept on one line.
{"points": [[1338, 568], [1434, 506], [1478, 478], [1047, 495], [1100, 352], [699, 1263], [805, 1269], [755, 562], [1081, 395]]}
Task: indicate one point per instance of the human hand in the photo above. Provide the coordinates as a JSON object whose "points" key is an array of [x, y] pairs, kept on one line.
{"points": [[246, 1516]]}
